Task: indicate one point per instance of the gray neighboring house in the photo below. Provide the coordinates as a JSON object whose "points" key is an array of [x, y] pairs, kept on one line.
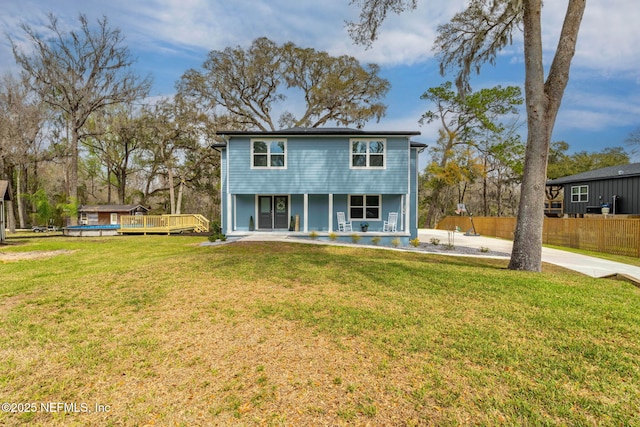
{"points": [[616, 188], [5, 195]]}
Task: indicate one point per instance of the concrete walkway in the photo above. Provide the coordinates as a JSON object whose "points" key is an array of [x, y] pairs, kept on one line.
{"points": [[591, 266]]}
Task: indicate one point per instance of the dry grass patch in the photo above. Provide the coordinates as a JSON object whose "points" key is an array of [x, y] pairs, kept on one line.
{"points": [[20, 256]]}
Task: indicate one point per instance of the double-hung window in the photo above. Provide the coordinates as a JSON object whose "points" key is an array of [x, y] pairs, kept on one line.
{"points": [[269, 153], [368, 153], [365, 207], [580, 193]]}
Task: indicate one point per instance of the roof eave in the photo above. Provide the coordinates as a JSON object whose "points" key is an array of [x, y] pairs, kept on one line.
{"points": [[319, 132]]}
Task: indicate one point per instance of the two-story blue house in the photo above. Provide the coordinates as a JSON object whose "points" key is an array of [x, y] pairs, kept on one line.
{"points": [[312, 174]]}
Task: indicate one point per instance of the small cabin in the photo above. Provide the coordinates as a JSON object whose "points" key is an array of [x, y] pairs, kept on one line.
{"points": [[107, 214]]}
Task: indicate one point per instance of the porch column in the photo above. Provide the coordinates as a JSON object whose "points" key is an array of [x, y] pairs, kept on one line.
{"points": [[407, 213], [229, 214], [305, 222], [330, 212]]}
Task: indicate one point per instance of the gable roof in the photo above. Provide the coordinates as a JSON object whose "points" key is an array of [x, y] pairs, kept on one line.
{"points": [[4, 190], [110, 208], [611, 172], [323, 131]]}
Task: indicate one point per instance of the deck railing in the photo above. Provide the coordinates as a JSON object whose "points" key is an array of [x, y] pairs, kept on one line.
{"points": [[163, 223]]}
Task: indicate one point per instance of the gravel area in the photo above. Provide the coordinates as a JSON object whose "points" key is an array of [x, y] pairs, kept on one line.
{"points": [[445, 249]]}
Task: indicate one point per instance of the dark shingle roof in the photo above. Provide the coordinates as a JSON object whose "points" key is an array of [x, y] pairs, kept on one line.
{"points": [[610, 172], [110, 208], [318, 131]]}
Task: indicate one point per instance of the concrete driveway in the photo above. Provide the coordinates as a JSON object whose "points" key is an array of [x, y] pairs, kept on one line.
{"points": [[591, 266]]}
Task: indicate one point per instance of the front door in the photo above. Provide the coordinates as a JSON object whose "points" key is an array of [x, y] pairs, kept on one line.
{"points": [[265, 220], [281, 215], [273, 212]]}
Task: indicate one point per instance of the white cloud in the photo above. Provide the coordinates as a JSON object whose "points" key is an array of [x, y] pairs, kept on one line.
{"points": [[608, 45], [590, 110], [201, 24], [608, 41]]}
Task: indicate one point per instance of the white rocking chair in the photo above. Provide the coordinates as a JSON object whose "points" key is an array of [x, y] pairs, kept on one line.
{"points": [[391, 224], [343, 225]]}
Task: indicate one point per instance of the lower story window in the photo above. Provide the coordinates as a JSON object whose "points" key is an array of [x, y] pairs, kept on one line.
{"points": [[580, 193], [365, 207]]}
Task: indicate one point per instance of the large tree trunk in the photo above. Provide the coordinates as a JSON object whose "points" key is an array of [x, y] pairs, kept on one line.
{"points": [[179, 201], [73, 170], [485, 184], [543, 102], [172, 191], [73, 176], [121, 178], [122, 190]]}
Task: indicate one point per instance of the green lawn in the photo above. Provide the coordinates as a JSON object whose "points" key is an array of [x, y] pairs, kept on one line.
{"points": [[157, 330]]}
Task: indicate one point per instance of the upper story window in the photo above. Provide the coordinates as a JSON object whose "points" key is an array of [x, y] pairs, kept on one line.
{"points": [[269, 153], [368, 153], [580, 193]]}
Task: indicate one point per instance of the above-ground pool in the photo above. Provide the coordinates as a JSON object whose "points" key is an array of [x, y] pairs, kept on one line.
{"points": [[91, 230]]}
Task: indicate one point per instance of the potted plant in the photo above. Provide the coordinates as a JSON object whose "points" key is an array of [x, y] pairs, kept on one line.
{"points": [[251, 223], [364, 226]]}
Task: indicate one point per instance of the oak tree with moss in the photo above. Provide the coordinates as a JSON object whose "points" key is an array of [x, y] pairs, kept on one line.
{"points": [[244, 86], [475, 36]]}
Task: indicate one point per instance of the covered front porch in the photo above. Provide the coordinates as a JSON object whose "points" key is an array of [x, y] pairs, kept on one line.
{"points": [[317, 213]]}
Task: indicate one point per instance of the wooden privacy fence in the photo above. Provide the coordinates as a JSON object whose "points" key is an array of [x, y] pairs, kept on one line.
{"points": [[608, 235]]}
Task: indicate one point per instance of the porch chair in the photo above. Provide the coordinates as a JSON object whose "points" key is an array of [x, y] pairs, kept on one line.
{"points": [[343, 225], [391, 224]]}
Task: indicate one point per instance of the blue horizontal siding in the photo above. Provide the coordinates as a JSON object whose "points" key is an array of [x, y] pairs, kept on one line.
{"points": [[318, 166]]}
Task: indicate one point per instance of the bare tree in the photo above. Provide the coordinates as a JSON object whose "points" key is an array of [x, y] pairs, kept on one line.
{"points": [[78, 73], [117, 138], [633, 141], [174, 128], [21, 120], [475, 36]]}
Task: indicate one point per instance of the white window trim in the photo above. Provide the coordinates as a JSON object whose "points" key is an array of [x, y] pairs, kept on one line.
{"points": [[268, 153], [364, 212], [367, 140], [580, 193]]}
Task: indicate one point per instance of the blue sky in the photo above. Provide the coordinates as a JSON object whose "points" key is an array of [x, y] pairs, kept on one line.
{"points": [[600, 108]]}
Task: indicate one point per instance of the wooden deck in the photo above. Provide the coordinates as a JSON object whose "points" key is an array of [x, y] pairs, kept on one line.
{"points": [[163, 224]]}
